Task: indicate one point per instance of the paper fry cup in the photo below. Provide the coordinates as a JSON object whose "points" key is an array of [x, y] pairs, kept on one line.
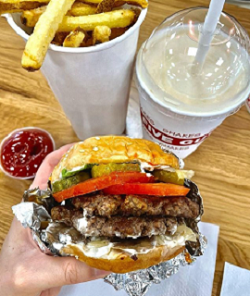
{"points": [[91, 83]]}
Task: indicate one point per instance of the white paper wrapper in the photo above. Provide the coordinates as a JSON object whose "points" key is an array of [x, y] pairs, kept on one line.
{"points": [[92, 84]]}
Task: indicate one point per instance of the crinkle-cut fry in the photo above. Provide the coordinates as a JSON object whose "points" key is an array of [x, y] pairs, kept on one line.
{"points": [[74, 39], [105, 6], [31, 17], [101, 34], [113, 19], [141, 3], [8, 7], [44, 32]]}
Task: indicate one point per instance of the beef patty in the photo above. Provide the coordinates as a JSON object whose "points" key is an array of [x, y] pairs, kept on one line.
{"points": [[125, 216], [117, 226], [136, 205]]}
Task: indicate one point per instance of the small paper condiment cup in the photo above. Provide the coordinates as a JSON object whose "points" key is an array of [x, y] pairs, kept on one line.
{"points": [[10, 135], [92, 83]]}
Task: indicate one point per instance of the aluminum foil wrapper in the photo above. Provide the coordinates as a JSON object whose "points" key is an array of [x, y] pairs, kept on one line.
{"points": [[51, 237]]}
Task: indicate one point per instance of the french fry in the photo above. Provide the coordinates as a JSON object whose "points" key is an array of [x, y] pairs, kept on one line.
{"points": [[74, 39], [59, 38], [11, 7], [101, 34], [31, 17], [79, 9], [141, 3], [44, 32], [105, 6], [113, 19]]}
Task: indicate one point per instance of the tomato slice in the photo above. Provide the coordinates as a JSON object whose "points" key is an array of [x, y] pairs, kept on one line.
{"points": [[158, 189], [100, 183]]}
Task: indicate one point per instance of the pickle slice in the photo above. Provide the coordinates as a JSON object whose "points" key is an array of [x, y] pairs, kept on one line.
{"points": [[70, 181], [105, 169], [176, 177]]}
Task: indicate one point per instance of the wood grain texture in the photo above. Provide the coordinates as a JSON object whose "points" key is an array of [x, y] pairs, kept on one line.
{"points": [[222, 163]]}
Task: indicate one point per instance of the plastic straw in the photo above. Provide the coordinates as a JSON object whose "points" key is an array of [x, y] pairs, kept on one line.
{"points": [[208, 29]]}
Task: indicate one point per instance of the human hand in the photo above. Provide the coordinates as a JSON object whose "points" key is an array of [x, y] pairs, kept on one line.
{"points": [[24, 269]]}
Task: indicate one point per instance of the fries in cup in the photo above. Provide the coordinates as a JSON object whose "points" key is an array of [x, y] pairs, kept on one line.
{"points": [[70, 23], [101, 34], [74, 39]]}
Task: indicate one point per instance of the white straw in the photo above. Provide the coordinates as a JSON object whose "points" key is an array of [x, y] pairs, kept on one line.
{"points": [[208, 29]]}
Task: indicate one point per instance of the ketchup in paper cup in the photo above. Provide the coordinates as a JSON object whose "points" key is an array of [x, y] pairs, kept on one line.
{"points": [[23, 151]]}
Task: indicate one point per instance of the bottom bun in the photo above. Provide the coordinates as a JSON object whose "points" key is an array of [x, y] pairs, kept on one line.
{"points": [[122, 262]]}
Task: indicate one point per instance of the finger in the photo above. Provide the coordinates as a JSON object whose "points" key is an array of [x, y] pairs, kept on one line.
{"points": [[51, 292], [47, 167], [68, 271]]}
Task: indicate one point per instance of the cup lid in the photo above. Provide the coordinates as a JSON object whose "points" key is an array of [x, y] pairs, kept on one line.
{"points": [[167, 66]]}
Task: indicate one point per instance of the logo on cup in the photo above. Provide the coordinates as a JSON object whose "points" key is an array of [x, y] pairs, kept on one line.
{"points": [[248, 104], [167, 139]]}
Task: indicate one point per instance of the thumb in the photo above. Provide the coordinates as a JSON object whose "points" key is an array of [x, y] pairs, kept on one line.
{"points": [[68, 271]]}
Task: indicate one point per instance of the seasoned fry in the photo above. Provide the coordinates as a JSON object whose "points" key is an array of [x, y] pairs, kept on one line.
{"points": [[8, 7], [105, 6], [31, 17], [43, 34], [113, 19], [74, 39], [101, 34]]}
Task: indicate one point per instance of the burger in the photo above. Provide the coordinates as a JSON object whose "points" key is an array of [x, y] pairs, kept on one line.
{"points": [[125, 202]]}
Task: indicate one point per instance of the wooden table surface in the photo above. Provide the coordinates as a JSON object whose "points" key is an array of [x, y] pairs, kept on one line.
{"points": [[222, 163]]}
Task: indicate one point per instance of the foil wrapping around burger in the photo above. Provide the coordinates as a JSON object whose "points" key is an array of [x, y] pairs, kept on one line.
{"points": [[52, 238]]}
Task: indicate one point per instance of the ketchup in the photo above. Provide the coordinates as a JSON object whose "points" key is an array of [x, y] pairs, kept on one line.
{"points": [[24, 150]]}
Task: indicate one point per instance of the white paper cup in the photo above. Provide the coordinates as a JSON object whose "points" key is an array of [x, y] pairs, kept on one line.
{"points": [[92, 84], [182, 134], [182, 127], [179, 132]]}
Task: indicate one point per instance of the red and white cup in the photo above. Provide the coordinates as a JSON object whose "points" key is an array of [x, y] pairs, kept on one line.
{"points": [[248, 104], [179, 125], [180, 133]]}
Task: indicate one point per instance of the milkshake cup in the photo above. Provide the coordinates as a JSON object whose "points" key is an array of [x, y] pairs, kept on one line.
{"points": [[92, 84], [181, 103]]}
